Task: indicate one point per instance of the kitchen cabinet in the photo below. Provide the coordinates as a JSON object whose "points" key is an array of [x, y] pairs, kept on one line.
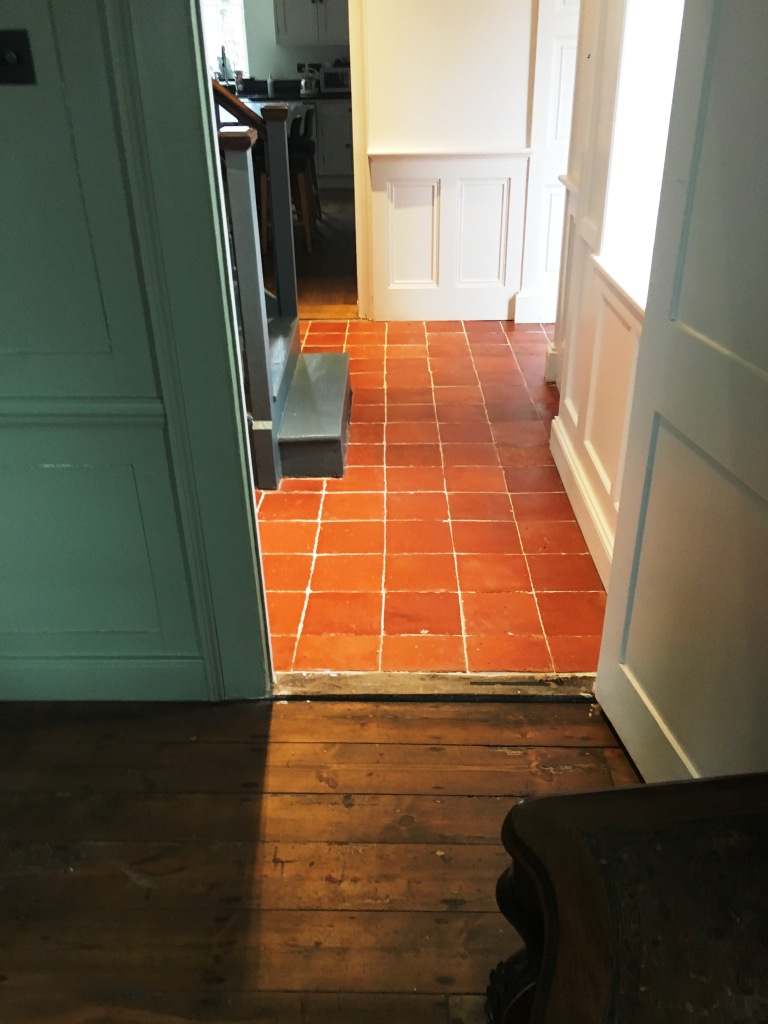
{"points": [[312, 22], [334, 139]]}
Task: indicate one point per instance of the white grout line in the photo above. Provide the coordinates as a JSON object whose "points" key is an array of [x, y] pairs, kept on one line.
{"points": [[462, 618], [384, 496]]}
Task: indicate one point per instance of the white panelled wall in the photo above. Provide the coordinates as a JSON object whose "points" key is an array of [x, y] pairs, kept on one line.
{"points": [[622, 101], [446, 99]]}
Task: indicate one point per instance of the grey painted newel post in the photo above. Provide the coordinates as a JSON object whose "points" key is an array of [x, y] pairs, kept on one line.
{"points": [[236, 146], [282, 211]]}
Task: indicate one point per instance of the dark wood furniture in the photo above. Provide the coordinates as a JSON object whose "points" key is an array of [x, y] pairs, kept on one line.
{"points": [[638, 905]]}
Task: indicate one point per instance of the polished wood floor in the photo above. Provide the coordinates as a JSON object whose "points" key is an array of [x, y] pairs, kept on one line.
{"points": [[322, 863], [327, 277]]}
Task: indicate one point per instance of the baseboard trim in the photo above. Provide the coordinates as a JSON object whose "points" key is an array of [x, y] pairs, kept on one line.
{"points": [[597, 533], [535, 306]]}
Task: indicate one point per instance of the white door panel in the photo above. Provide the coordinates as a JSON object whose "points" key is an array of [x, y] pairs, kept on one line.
{"points": [[684, 663]]}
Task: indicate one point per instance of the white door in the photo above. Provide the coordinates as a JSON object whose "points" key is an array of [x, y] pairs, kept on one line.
{"points": [[683, 672]]}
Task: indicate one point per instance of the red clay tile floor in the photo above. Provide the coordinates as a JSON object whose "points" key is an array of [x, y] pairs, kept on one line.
{"points": [[450, 544]]}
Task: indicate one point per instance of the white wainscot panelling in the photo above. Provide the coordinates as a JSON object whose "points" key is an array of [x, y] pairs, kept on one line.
{"points": [[414, 216], [613, 367], [589, 435], [555, 210], [482, 233], [448, 235]]}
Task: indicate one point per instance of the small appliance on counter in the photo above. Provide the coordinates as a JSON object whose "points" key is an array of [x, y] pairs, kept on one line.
{"points": [[310, 79], [336, 79]]}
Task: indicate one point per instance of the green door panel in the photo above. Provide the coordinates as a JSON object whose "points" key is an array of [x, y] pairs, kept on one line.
{"points": [[128, 562], [66, 221], [91, 509]]}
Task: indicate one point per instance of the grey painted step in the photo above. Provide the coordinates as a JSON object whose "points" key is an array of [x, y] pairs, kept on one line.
{"points": [[313, 435], [283, 353]]}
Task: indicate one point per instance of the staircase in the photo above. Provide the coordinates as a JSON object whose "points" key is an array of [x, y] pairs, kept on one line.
{"points": [[298, 404]]}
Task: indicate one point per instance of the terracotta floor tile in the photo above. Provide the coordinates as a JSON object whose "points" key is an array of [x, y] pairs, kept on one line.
{"points": [[525, 434], [480, 505], [377, 327], [366, 433], [435, 409], [373, 413], [539, 507], [362, 360], [424, 413], [328, 327], [365, 455], [282, 653], [422, 654], [564, 572], [448, 346], [474, 478], [418, 537], [413, 455], [289, 507], [347, 613], [537, 455], [347, 573], [406, 351], [351, 538], [443, 326], [503, 653], [286, 572], [575, 653], [285, 608], [522, 479], [459, 413], [572, 614], [417, 613], [466, 433], [409, 478], [353, 505], [470, 455], [408, 396], [484, 573], [498, 613], [466, 394], [409, 572], [343, 653], [552, 537], [412, 433], [290, 486], [287, 538], [486, 537], [421, 505], [358, 478]]}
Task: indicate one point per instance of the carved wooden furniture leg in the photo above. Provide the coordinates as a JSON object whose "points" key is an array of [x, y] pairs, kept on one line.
{"points": [[637, 905]]}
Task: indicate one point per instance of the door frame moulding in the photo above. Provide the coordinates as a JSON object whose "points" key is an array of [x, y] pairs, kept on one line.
{"points": [[190, 295]]}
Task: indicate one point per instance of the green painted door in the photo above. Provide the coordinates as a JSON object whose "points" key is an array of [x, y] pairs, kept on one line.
{"points": [[128, 565]]}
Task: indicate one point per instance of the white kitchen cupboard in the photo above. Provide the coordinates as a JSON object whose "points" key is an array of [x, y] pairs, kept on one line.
{"points": [[312, 22], [334, 139]]}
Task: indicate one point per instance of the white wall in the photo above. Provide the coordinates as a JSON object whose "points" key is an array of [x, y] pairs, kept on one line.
{"points": [[447, 77], [441, 94], [265, 56]]}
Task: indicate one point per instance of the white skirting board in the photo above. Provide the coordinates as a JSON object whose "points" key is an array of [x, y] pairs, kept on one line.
{"points": [[597, 533], [536, 306]]}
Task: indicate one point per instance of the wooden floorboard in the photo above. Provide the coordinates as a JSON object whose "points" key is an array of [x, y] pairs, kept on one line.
{"points": [[276, 862]]}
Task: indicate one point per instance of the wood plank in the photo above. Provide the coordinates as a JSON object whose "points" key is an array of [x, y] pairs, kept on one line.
{"points": [[267, 950], [346, 685], [623, 772], [114, 1004], [270, 818], [270, 876], [555, 725], [301, 768]]}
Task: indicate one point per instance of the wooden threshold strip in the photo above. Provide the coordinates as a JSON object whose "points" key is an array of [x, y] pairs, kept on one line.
{"points": [[519, 685]]}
